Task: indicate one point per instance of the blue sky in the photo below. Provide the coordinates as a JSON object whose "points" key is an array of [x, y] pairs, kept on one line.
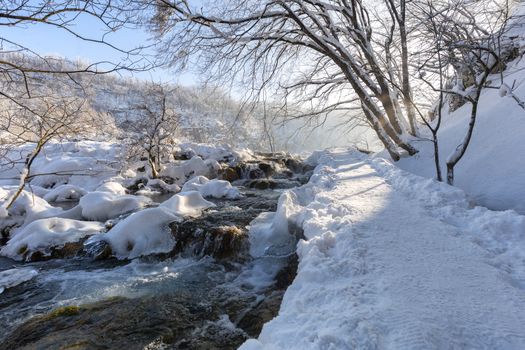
{"points": [[47, 40]]}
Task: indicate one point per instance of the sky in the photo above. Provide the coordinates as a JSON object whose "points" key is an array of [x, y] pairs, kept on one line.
{"points": [[47, 40]]}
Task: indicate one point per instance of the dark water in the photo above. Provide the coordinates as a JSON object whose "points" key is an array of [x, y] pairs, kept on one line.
{"points": [[186, 301]]}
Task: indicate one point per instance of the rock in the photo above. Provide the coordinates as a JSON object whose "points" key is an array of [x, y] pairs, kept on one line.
{"points": [[68, 250], [256, 173], [121, 323], [262, 184], [294, 165], [230, 174], [98, 250], [137, 184], [222, 242], [267, 168], [287, 274], [253, 320]]}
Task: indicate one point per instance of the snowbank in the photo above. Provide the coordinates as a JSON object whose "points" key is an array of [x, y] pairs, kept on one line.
{"points": [[43, 234], [211, 188], [102, 206], [14, 277], [391, 260]]}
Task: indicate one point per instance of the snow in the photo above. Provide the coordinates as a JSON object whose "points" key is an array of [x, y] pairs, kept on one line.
{"points": [[42, 234], [147, 231], [491, 170], [112, 187], [163, 185], [391, 260], [13, 277], [273, 233], [102, 206], [211, 188], [83, 163], [186, 204], [142, 233], [191, 168], [27, 208], [222, 153], [64, 193]]}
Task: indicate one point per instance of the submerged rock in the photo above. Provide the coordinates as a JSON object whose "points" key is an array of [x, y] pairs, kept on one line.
{"points": [[179, 321]]}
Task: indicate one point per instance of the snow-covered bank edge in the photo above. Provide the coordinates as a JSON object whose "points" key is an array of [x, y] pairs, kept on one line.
{"points": [[501, 234]]}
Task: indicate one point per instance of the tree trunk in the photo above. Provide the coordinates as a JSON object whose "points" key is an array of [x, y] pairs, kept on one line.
{"points": [[450, 174]]}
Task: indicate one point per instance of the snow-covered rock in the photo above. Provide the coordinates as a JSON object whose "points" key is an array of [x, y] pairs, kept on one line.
{"points": [[189, 169], [222, 153], [158, 183], [27, 208], [102, 206], [142, 233], [275, 233], [211, 188], [43, 234], [112, 187], [64, 193], [147, 232], [187, 204]]}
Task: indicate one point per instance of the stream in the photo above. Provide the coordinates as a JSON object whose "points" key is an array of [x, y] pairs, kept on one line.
{"points": [[208, 293]]}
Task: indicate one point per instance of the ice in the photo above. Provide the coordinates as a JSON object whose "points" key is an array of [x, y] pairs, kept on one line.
{"points": [[14, 277]]}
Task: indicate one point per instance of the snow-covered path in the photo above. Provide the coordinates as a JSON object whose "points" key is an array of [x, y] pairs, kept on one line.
{"points": [[394, 261]]}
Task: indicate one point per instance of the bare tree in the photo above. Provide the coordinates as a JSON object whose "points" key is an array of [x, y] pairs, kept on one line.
{"points": [[466, 41], [38, 121], [333, 51], [150, 127], [33, 88]]}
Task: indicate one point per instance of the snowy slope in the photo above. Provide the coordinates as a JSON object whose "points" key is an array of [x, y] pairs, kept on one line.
{"points": [[395, 261], [493, 168]]}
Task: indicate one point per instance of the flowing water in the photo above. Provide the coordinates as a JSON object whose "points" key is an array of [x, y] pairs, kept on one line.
{"points": [[193, 298]]}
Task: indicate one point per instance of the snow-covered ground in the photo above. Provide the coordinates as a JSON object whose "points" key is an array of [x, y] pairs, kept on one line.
{"points": [[395, 261]]}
